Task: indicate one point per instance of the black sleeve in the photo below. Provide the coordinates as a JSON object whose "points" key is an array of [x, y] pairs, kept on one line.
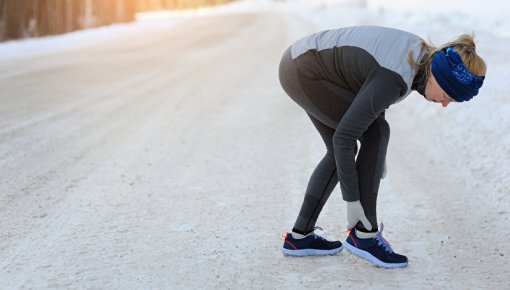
{"points": [[382, 88]]}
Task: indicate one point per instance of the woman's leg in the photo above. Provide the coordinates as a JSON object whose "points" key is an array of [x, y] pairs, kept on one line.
{"points": [[370, 166], [322, 182]]}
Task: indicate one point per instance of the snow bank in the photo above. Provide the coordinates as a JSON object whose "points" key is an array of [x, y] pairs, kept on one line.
{"points": [[32, 47]]}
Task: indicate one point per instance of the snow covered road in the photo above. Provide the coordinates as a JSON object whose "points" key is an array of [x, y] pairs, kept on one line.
{"points": [[169, 158]]}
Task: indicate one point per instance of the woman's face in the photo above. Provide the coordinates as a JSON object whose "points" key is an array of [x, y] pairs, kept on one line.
{"points": [[434, 93]]}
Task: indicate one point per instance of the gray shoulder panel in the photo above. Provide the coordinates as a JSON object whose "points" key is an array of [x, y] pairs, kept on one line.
{"points": [[388, 46]]}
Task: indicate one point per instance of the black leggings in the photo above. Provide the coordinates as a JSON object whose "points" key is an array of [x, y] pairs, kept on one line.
{"points": [[325, 103]]}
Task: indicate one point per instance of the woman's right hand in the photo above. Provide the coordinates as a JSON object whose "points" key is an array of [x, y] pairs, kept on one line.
{"points": [[355, 213]]}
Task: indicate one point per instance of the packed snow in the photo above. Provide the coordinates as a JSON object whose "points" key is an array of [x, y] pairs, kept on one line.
{"points": [[163, 154]]}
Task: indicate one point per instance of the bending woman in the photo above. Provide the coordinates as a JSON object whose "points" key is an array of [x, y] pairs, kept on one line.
{"points": [[345, 79]]}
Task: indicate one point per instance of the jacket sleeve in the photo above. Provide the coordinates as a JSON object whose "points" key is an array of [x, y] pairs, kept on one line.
{"points": [[382, 88]]}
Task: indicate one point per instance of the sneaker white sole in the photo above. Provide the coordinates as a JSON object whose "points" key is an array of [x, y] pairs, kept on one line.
{"points": [[367, 256], [311, 252]]}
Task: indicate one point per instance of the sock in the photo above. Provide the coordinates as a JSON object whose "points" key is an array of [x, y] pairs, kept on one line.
{"points": [[364, 235], [297, 236]]}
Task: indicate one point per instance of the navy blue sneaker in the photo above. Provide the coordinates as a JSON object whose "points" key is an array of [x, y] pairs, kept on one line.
{"points": [[311, 245], [376, 250]]}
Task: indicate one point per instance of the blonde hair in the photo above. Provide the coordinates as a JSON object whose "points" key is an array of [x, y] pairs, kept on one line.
{"points": [[464, 45]]}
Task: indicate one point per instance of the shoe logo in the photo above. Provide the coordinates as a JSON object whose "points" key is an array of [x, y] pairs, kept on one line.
{"points": [[290, 244], [354, 241]]}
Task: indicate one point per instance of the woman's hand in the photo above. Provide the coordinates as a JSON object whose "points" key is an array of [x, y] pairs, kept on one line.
{"points": [[355, 213]]}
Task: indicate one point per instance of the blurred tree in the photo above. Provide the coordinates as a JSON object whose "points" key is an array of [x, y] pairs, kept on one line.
{"points": [[28, 18]]}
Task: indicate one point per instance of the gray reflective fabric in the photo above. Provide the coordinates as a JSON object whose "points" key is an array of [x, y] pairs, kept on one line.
{"points": [[388, 46]]}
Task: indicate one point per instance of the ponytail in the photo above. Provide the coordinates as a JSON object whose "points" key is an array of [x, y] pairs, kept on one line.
{"points": [[464, 45]]}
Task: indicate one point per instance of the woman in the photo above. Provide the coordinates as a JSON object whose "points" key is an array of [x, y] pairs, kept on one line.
{"points": [[345, 79]]}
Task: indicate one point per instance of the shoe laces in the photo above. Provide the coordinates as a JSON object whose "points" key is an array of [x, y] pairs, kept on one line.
{"points": [[382, 241], [317, 236]]}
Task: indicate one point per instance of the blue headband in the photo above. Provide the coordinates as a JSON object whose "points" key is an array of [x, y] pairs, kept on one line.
{"points": [[453, 77]]}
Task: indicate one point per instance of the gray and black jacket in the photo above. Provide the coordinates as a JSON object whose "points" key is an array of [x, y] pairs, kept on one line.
{"points": [[371, 62]]}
